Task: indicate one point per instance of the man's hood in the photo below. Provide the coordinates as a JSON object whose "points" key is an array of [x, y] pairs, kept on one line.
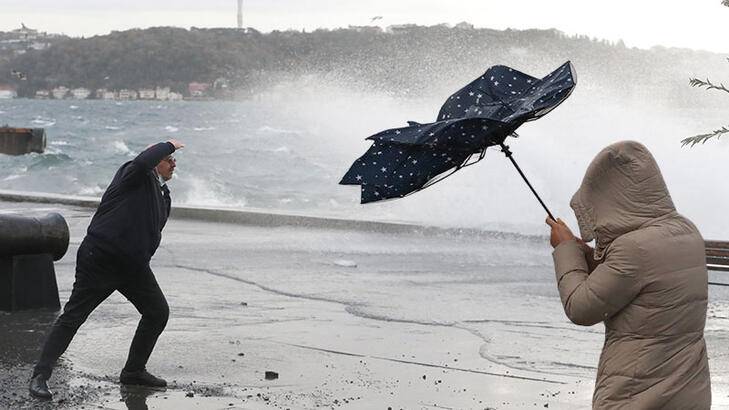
{"points": [[622, 190]]}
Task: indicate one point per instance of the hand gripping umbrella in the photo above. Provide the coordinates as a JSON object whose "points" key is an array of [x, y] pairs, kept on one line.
{"points": [[481, 114]]}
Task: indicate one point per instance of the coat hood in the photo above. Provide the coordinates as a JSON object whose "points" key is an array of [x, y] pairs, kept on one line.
{"points": [[622, 190]]}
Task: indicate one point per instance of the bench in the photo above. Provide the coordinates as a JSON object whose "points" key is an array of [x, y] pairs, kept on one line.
{"points": [[717, 255]]}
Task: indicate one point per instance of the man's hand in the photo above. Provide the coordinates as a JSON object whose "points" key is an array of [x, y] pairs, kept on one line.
{"points": [[177, 144], [560, 232]]}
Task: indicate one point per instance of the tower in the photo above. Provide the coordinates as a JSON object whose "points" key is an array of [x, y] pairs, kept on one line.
{"points": [[240, 14]]}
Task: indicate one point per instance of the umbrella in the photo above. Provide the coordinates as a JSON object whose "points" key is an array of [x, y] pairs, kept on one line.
{"points": [[481, 114]]}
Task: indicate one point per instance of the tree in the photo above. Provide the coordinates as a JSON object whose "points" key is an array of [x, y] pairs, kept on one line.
{"points": [[695, 82]]}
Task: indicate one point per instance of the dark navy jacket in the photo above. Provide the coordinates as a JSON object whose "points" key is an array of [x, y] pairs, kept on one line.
{"points": [[134, 209]]}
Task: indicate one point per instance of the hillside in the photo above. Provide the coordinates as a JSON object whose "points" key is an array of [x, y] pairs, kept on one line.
{"points": [[403, 60]]}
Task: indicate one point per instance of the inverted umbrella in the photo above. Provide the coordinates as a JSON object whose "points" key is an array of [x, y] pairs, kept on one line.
{"points": [[481, 114]]}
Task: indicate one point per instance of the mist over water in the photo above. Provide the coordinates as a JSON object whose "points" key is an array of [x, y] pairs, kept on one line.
{"points": [[286, 149]]}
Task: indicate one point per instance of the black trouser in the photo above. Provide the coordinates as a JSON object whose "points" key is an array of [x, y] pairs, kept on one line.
{"points": [[98, 275]]}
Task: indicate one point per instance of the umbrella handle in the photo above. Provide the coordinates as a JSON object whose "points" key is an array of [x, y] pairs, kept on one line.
{"points": [[507, 152]]}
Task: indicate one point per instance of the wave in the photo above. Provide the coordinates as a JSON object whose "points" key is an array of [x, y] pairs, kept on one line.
{"points": [[49, 160], [44, 121], [91, 191], [272, 130], [170, 128], [202, 192], [122, 148]]}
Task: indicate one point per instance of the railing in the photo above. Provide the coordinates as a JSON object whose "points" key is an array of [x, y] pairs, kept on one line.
{"points": [[717, 255], [717, 258]]}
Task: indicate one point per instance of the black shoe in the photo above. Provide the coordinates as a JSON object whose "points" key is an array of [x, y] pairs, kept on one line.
{"points": [[39, 387], [141, 378]]}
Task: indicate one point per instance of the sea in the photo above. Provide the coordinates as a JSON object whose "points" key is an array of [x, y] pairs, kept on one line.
{"points": [[286, 149]]}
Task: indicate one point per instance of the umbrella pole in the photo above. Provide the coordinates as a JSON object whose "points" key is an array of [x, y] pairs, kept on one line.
{"points": [[507, 152]]}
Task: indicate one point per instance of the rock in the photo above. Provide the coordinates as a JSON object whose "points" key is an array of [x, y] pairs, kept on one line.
{"points": [[271, 375], [244, 303], [190, 394], [241, 354]]}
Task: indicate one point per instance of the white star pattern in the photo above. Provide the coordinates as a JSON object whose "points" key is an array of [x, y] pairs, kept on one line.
{"points": [[523, 98]]}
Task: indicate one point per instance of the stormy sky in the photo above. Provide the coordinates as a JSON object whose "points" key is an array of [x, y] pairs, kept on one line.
{"points": [[702, 24]]}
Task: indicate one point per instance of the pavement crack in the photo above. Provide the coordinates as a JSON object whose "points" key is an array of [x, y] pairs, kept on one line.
{"points": [[423, 364]]}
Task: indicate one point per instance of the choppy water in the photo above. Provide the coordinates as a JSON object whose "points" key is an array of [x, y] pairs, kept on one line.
{"points": [[287, 150]]}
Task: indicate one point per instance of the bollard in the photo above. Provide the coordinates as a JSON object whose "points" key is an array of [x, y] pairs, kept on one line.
{"points": [[28, 247]]}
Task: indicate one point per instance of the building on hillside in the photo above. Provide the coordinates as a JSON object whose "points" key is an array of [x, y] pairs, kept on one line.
{"points": [[173, 96], [146, 94], [125, 94], [366, 29], [25, 33], [42, 94], [80, 93], [464, 26], [39, 45], [60, 92], [401, 28], [198, 90], [162, 93], [8, 91], [20, 40], [108, 95]]}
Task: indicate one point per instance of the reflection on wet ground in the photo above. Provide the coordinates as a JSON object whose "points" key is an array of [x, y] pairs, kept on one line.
{"points": [[415, 321]]}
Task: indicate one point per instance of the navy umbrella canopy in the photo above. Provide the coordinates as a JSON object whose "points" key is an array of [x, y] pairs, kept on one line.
{"points": [[481, 114]]}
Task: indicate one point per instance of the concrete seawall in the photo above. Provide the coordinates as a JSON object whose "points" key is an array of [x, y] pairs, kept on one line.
{"points": [[269, 218]]}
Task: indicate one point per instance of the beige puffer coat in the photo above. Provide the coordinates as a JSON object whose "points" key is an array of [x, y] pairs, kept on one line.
{"points": [[650, 288]]}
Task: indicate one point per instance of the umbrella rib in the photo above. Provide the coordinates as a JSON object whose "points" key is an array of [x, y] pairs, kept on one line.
{"points": [[456, 169]]}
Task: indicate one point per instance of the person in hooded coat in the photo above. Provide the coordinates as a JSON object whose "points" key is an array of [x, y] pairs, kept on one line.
{"points": [[646, 280]]}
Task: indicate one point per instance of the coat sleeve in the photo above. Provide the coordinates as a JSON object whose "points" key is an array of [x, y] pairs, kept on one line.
{"points": [[135, 171], [590, 298]]}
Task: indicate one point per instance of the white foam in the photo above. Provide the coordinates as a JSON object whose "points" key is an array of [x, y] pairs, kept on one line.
{"points": [[121, 147], [273, 130], [202, 192], [91, 191], [170, 128], [46, 122]]}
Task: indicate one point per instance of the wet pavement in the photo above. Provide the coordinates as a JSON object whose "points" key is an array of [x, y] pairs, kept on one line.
{"points": [[347, 319]]}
